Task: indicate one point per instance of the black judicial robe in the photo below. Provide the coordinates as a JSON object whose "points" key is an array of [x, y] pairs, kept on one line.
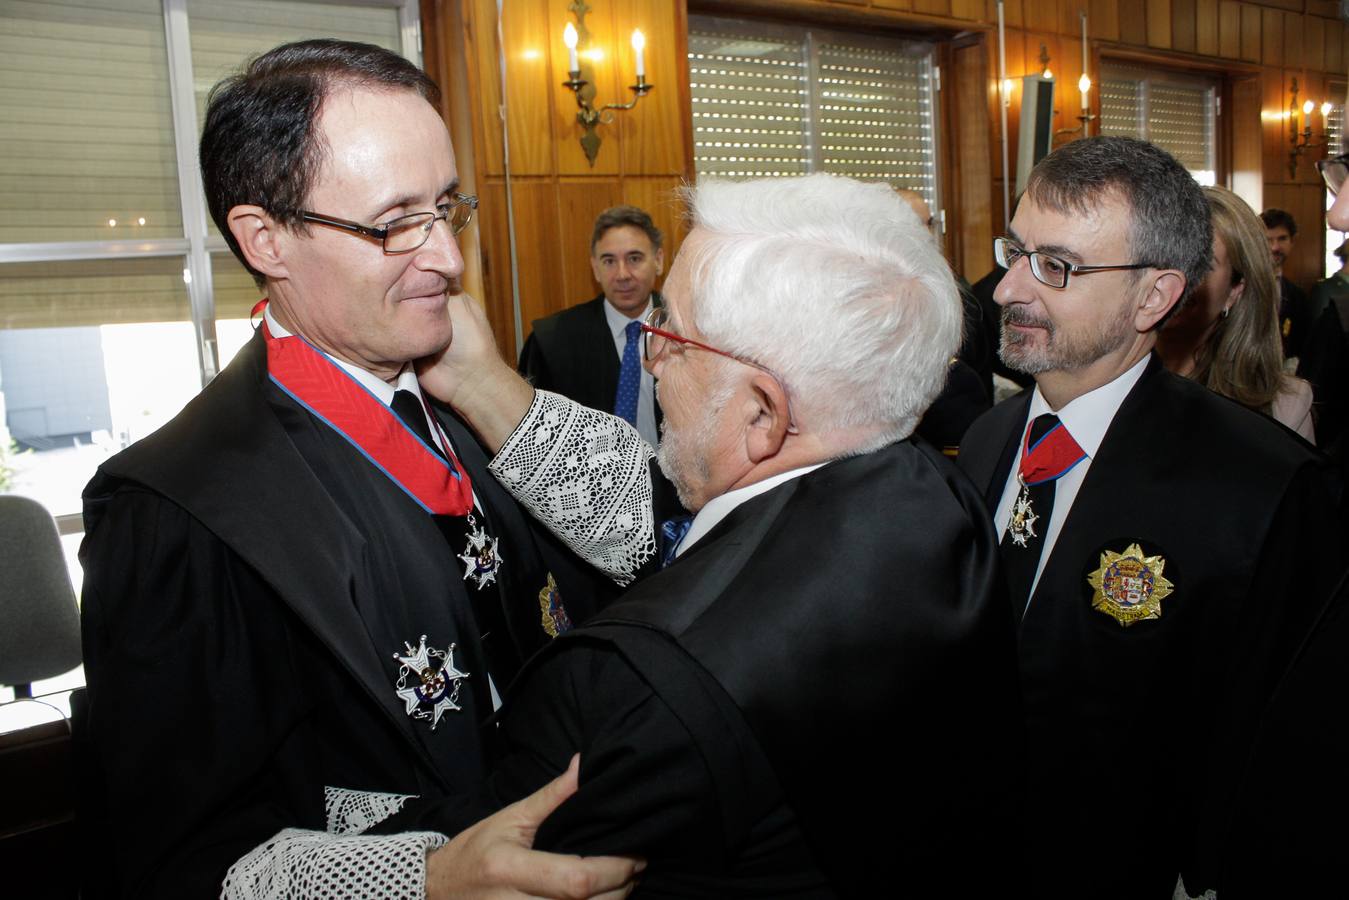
{"points": [[818, 698], [1136, 737], [249, 578]]}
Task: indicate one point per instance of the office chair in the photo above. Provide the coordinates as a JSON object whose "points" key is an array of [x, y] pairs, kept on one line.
{"points": [[39, 621]]}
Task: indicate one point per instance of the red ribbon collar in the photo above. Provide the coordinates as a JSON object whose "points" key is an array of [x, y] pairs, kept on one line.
{"points": [[323, 388], [1051, 457]]}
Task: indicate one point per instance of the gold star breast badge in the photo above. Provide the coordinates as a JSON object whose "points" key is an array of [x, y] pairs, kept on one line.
{"points": [[1129, 586]]}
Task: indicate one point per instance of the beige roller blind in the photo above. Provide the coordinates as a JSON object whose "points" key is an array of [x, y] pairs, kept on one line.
{"points": [[750, 101], [86, 149], [773, 100], [1174, 110]]}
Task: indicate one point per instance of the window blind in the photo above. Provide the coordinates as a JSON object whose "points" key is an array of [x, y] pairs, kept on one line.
{"points": [[86, 152], [772, 101], [1175, 111]]}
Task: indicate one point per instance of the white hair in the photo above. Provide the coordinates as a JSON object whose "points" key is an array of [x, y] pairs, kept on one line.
{"points": [[837, 287]]}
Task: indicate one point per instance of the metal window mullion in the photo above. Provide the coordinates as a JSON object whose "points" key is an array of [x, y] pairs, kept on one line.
{"points": [[814, 100], [410, 31], [191, 196], [74, 251]]}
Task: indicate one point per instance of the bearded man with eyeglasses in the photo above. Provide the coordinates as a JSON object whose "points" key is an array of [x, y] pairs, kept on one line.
{"points": [[1165, 548], [304, 593]]}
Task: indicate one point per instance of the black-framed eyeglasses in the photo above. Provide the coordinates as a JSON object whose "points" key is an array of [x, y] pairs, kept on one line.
{"points": [[655, 339], [1048, 270], [406, 233], [1334, 170]]}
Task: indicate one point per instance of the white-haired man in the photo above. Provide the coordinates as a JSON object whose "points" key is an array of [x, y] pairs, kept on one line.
{"points": [[833, 622]]}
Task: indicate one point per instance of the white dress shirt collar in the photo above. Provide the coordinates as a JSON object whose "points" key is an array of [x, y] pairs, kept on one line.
{"points": [[407, 379], [619, 322], [720, 507], [1088, 417]]}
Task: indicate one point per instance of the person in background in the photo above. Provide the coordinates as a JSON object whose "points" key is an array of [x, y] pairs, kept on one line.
{"points": [[1226, 335], [592, 352], [968, 391], [1280, 230], [1328, 290]]}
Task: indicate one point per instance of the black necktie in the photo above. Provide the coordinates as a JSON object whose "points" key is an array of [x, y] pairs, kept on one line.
{"points": [[408, 407], [1020, 561], [503, 660]]}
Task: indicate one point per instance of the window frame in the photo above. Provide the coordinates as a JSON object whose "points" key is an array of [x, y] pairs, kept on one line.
{"points": [[196, 247]]}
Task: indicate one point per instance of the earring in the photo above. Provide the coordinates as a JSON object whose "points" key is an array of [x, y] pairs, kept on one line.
{"points": [[1226, 311]]}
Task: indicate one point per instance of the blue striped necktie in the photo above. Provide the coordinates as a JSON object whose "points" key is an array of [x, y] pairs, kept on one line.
{"points": [[629, 375]]}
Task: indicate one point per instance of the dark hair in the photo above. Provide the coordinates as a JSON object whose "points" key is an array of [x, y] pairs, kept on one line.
{"points": [[619, 216], [260, 145], [1277, 218], [1170, 227]]}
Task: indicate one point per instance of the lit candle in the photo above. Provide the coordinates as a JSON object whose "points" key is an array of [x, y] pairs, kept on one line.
{"points": [[569, 38], [1307, 115], [1325, 112], [638, 45], [1084, 85]]}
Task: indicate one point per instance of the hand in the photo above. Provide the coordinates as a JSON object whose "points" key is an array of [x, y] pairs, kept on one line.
{"points": [[493, 859], [470, 375]]}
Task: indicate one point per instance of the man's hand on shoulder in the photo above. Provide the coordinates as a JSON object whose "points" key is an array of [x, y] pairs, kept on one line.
{"points": [[470, 375], [494, 858]]}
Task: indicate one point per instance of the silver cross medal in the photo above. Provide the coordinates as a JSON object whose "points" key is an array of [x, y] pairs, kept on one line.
{"points": [[1022, 524]]}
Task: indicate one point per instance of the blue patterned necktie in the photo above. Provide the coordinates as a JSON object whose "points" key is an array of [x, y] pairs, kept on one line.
{"points": [[672, 532], [629, 375]]}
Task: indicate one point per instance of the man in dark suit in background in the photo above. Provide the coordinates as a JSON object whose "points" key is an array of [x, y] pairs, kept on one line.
{"points": [[591, 352], [1165, 548], [1294, 317]]}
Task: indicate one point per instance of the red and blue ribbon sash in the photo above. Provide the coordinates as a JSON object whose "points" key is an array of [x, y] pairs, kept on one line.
{"points": [[321, 386], [1050, 458]]}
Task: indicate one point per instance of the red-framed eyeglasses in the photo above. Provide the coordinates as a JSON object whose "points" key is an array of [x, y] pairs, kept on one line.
{"points": [[656, 338]]}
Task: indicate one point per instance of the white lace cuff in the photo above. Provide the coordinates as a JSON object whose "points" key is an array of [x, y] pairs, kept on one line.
{"points": [[586, 476], [299, 863]]}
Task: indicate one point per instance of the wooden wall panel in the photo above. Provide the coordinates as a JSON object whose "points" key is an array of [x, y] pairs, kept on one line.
{"points": [[1313, 42], [1248, 174], [657, 194], [904, 5], [1250, 32], [1271, 37], [1206, 27], [1183, 25], [932, 7], [970, 206], [1229, 29], [530, 73], [1103, 20], [1159, 24], [1292, 40], [1133, 24], [538, 226], [580, 201], [1334, 35], [652, 138]]}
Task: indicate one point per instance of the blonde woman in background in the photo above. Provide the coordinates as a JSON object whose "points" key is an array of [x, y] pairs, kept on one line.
{"points": [[1226, 337]]}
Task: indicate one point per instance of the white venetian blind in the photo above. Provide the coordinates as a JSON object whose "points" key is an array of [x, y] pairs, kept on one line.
{"points": [[1175, 111], [750, 102], [86, 149], [778, 101]]}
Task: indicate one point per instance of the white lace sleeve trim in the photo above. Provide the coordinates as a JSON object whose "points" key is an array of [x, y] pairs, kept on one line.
{"points": [[314, 864], [354, 812], [586, 476]]}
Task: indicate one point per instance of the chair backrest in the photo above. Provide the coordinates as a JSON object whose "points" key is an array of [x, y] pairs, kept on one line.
{"points": [[39, 620]]}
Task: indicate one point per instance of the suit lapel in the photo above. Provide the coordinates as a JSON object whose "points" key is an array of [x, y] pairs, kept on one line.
{"points": [[1127, 443]]}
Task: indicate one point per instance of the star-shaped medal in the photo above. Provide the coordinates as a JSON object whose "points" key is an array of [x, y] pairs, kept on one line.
{"points": [[1129, 586], [481, 559], [434, 688], [1022, 525]]}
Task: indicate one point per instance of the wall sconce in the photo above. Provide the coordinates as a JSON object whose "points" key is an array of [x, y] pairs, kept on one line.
{"points": [[588, 115], [1302, 142]]}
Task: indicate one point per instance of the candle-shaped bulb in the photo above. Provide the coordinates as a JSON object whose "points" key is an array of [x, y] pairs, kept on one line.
{"points": [[1325, 110], [638, 45], [1308, 107], [569, 38], [1084, 83], [1047, 74]]}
